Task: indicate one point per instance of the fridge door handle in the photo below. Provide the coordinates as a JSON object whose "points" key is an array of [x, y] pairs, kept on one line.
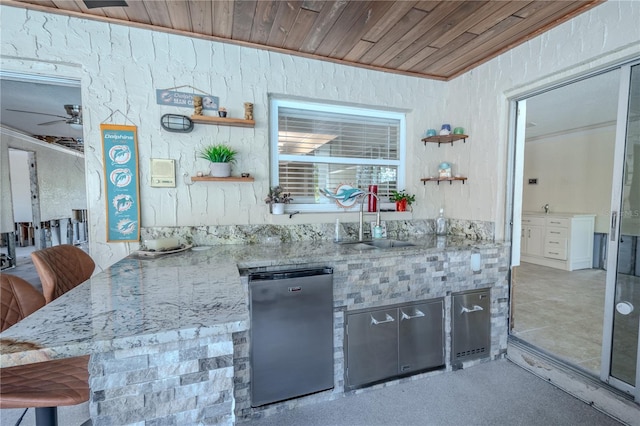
{"points": [[405, 316], [387, 319], [474, 309]]}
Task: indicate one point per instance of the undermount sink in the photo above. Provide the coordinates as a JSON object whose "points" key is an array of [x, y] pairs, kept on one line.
{"points": [[380, 244], [383, 243]]}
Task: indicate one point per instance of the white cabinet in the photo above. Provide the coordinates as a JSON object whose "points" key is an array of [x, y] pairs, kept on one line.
{"points": [[558, 240], [532, 235]]}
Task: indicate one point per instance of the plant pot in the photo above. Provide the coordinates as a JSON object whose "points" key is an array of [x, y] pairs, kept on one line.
{"points": [[401, 206], [277, 208], [222, 113], [220, 169]]}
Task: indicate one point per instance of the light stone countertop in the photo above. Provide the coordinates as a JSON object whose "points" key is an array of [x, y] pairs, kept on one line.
{"points": [[138, 302]]}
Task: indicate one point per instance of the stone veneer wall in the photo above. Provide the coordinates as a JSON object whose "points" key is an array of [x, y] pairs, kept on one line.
{"points": [[250, 234], [178, 383], [386, 280]]}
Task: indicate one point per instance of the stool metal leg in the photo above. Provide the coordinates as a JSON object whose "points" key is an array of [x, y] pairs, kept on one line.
{"points": [[46, 416]]}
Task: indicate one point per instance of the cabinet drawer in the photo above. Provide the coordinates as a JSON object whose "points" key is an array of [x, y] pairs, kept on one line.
{"points": [[554, 232], [556, 248], [533, 220], [558, 221]]}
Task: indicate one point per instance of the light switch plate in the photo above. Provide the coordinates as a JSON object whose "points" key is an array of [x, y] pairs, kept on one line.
{"points": [[163, 173]]}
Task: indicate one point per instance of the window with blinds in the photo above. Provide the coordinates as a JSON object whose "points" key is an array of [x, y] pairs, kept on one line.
{"points": [[319, 146]]}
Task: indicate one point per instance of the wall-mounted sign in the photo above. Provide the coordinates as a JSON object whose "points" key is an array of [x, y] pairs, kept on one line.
{"points": [[121, 187], [184, 99]]}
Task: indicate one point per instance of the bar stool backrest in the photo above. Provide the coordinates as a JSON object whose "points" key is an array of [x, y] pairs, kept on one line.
{"points": [[18, 299], [61, 268]]}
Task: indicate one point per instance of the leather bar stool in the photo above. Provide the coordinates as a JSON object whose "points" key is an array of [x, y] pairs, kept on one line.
{"points": [[44, 385], [61, 268]]}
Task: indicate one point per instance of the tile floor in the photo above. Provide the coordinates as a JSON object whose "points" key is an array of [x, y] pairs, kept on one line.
{"points": [[24, 267], [562, 313]]}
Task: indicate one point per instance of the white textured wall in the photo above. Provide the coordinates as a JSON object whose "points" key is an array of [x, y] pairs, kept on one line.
{"points": [[121, 67], [574, 173], [601, 37]]}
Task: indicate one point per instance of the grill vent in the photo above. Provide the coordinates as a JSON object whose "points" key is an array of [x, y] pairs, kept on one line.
{"points": [[470, 352]]}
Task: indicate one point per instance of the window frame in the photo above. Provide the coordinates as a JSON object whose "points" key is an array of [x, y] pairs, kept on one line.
{"points": [[274, 158]]}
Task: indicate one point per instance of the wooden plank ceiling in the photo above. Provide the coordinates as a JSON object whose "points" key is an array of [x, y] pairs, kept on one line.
{"points": [[432, 39]]}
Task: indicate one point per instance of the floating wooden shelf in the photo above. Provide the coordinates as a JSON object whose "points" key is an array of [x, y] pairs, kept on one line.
{"points": [[222, 121], [444, 139], [450, 180], [221, 179]]}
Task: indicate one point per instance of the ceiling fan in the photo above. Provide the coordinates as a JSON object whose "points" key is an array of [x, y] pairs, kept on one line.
{"points": [[74, 119]]}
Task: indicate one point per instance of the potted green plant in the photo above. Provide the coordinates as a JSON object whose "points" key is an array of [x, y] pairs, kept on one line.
{"points": [[221, 157], [277, 198], [402, 200]]}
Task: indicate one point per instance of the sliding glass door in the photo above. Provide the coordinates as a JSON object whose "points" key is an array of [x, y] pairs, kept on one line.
{"points": [[577, 149], [622, 306]]}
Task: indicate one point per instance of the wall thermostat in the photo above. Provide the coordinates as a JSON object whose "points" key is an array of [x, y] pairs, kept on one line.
{"points": [[163, 173]]}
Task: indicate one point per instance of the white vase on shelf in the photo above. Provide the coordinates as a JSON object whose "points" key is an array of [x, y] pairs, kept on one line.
{"points": [[220, 169], [277, 208]]}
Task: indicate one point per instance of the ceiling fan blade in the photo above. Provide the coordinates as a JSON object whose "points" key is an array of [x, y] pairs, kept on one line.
{"points": [[92, 4], [40, 113], [48, 123]]}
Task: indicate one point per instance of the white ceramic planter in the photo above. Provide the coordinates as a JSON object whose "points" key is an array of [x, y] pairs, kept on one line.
{"points": [[277, 208], [220, 169]]}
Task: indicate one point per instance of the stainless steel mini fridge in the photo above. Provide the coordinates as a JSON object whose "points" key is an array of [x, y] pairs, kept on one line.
{"points": [[291, 333]]}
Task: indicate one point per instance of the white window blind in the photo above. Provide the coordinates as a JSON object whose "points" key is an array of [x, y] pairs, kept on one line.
{"points": [[320, 146]]}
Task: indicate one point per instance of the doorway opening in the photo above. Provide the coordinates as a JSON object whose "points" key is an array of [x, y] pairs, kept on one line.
{"points": [[43, 162], [567, 247]]}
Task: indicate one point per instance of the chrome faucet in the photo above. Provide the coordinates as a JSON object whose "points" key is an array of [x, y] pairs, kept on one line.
{"points": [[546, 208], [361, 218]]}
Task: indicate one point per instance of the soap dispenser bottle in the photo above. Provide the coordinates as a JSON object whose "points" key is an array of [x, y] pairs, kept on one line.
{"points": [[441, 224]]}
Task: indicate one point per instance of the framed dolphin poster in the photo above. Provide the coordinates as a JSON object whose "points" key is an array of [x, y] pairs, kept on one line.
{"points": [[121, 184]]}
